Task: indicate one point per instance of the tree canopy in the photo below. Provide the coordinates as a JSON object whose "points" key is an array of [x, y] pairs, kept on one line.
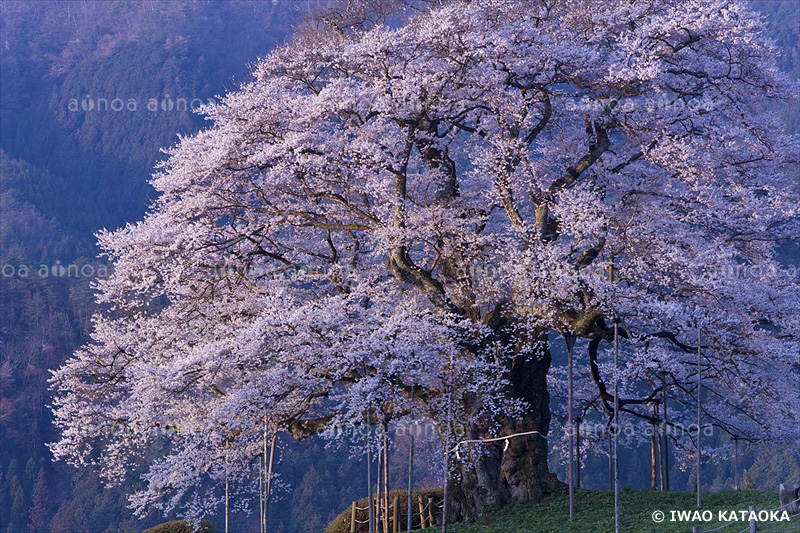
{"points": [[421, 199]]}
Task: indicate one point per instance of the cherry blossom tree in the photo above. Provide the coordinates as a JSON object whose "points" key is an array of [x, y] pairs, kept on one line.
{"points": [[425, 197]]}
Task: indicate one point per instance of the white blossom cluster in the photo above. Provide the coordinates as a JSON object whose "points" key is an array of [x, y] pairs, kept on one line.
{"points": [[389, 167]]}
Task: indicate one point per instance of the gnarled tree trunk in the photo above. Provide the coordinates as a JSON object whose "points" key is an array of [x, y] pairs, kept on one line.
{"points": [[519, 473]]}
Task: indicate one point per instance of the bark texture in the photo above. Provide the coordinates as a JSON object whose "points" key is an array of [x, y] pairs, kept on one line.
{"points": [[517, 473]]}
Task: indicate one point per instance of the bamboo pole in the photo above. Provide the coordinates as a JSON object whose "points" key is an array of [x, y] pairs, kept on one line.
{"points": [[431, 519], [353, 518], [421, 512]]}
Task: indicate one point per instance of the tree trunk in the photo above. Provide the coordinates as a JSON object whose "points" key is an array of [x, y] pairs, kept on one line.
{"points": [[498, 478]]}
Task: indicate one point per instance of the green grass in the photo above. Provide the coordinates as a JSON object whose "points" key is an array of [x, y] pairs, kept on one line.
{"points": [[594, 513]]}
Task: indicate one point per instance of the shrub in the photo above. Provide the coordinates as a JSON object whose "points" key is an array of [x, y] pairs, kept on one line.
{"points": [[341, 524], [180, 526]]}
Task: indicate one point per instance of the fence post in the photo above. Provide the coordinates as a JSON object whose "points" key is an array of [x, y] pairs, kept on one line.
{"points": [[421, 512], [753, 527], [353, 518], [431, 520]]}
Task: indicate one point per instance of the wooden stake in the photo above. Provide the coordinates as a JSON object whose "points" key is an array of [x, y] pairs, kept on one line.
{"points": [[353, 518], [421, 512]]}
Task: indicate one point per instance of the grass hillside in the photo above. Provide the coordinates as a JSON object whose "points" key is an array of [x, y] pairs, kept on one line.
{"points": [[594, 513]]}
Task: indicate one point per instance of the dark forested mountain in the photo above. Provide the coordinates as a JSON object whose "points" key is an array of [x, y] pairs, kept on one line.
{"points": [[89, 92], [93, 89], [70, 165]]}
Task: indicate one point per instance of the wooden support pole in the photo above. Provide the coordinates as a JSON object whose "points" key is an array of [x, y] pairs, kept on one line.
{"points": [[660, 452], [261, 460], [227, 489], [699, 420], [578, 453], [369, 476], [610, 459], [653, 458], [378, 508], [617, 512], [353, 518], [378, 496], [736, 462], [409, 495], [421, 512], [431, 520], [396, 514], [385, 480], [570, 341], [268, 489], [665, 450]]}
